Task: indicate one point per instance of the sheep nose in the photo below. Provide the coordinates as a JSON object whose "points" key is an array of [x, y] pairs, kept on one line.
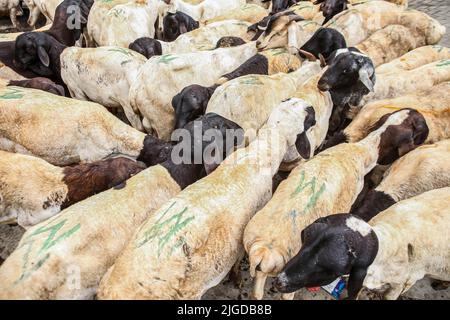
{"points": [[258, 43], [281, 282]]}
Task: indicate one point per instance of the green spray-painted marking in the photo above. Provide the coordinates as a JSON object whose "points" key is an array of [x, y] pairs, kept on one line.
{"points": [[167, 58], [123, 51], [12, 94], [438, 47], [311, 185], [158, 231], [308, 23], [118, 13], [251, 80], [278, 51], [443, 63], [42, 255]]}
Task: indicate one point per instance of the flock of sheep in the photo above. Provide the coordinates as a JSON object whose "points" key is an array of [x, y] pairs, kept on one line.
{"points": [[345, 102]]}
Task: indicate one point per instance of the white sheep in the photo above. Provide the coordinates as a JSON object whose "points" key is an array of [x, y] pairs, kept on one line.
{"points": [[46, 7], [192, 241], [162, 77], [120, 22], [33, 190], [103, 75], [328, 183], [66, 256]]}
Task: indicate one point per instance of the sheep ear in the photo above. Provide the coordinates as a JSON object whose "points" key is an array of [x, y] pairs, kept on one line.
{"points": [[365, 79], [303, 146], [323, 62], [43, 56], [60, 90], [183, 28], [308, 55]]}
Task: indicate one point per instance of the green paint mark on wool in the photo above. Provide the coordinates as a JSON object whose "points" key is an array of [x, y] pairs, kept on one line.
{"points": [[124, 51], [167, 58], [31, 264], [12, 94], [165, 229], [312, 187], [443, 63]]}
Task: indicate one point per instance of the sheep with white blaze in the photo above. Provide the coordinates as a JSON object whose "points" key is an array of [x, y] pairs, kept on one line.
{"points": [[326, 184], [83, 241], [397, 248], [162, 77], [424, 169], [192, 242], [33, 190], [433, 104]]}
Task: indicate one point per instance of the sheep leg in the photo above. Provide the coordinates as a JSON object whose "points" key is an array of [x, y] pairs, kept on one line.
{"points": [[393, 292], [13, 17], [355, 282], [258, 288], [288, 296]]}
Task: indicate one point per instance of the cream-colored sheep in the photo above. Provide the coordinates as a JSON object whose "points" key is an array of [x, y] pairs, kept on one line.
{"points": [[66, 256], [192, 242], [249, 100], [391, 85], [162, 77], [433, 104], [415, 58], [280, 60], [60, 130], [413, 242], [32, 190], [327, 184]]}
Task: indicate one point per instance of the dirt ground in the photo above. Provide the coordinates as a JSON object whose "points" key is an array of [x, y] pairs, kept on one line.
{"points": [[10, 235]]}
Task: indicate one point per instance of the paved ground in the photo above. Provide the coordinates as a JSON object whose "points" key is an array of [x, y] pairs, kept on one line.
{"points": [[438, 9]]}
